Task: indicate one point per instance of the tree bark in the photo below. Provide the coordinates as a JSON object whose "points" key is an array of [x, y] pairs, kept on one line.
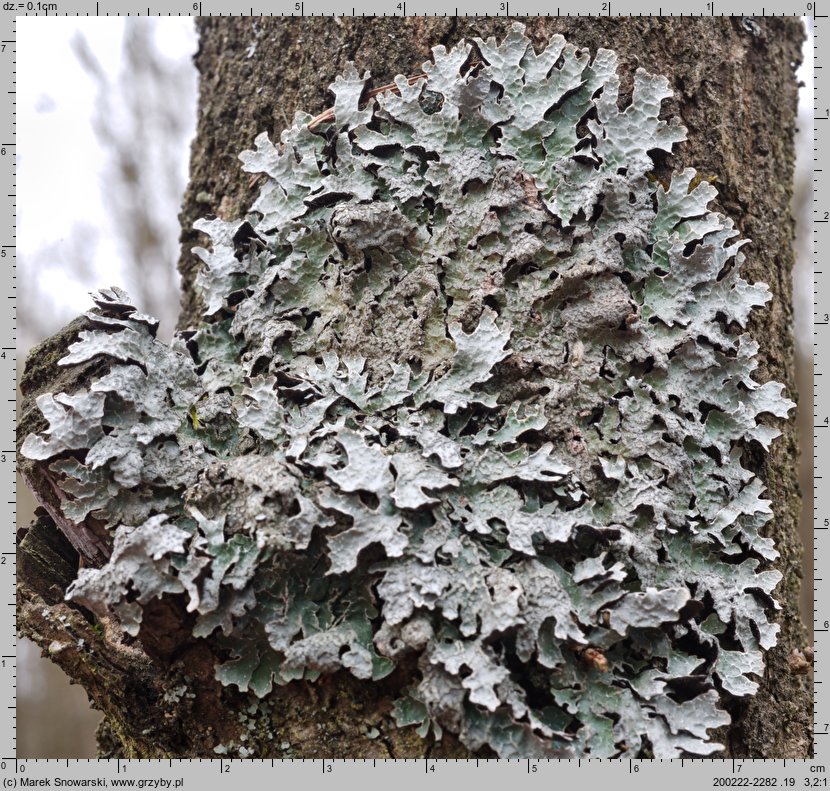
{"points": [[735, 91]]}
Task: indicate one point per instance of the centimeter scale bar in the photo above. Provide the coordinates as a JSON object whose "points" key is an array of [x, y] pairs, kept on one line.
{"points": [[220, 773]]}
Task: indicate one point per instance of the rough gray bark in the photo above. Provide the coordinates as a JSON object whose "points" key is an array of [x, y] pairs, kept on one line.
{"points": [[734, 90]]}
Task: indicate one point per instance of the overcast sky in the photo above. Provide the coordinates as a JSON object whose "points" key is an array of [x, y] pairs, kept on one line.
{"points": [[60, 164]]}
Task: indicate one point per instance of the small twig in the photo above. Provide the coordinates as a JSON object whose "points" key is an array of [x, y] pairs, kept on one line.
{"points": [[328, 115]]}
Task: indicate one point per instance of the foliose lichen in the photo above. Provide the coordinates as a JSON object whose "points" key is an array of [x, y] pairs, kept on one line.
{"points": [[472, 385]]}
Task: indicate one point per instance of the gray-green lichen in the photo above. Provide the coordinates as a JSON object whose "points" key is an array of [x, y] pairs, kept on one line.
{"points": [[472, 385]]}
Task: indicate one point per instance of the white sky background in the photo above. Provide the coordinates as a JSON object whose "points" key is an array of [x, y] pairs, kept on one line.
{"points": [[61, 165], [58, 158]]}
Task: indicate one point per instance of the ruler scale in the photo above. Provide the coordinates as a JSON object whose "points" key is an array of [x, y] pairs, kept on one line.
{"points": [[8, 369], [406, 774], [821, 438]]}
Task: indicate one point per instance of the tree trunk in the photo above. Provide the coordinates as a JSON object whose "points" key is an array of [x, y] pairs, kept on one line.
{"points": [[734, 90]]}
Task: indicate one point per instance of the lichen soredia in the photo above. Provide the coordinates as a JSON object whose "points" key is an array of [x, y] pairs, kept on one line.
{"points": [[471, 386]]}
